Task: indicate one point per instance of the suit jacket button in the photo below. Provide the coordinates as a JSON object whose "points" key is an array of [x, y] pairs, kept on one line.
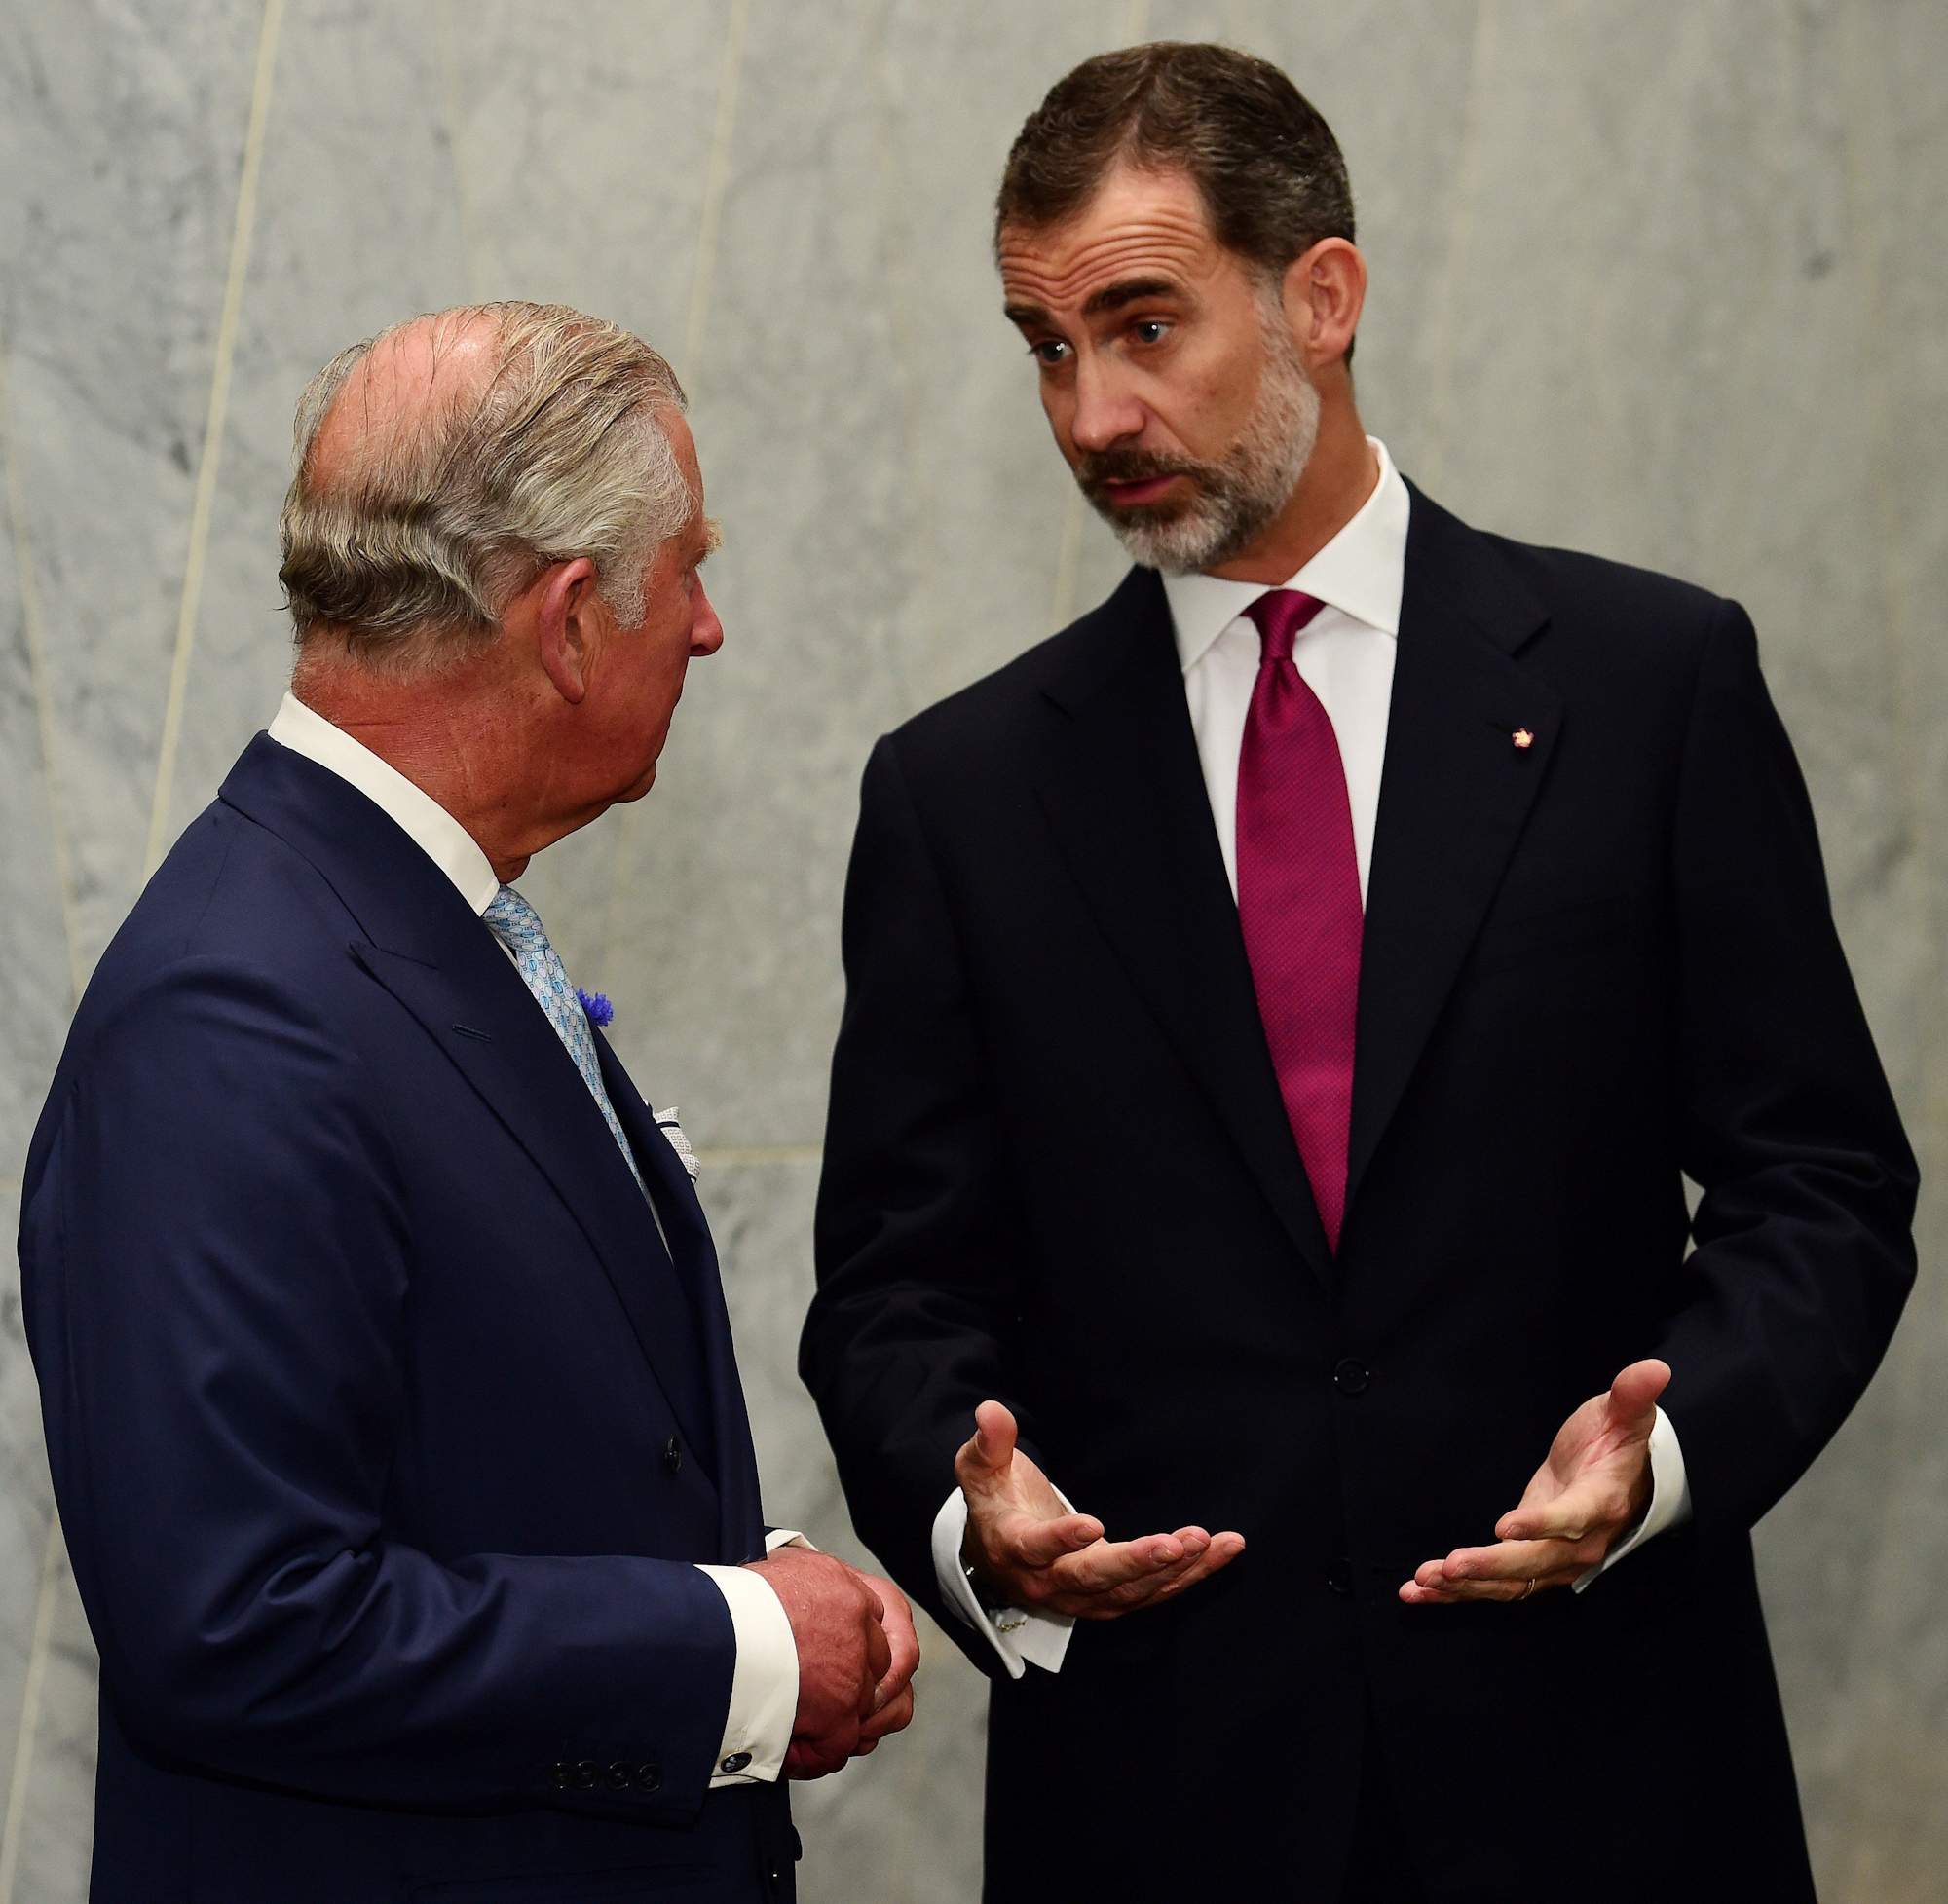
{"points": [[673, 1455], [649, 1776], [1351, 1377], [619, 1775], [1339, 1579], [736, 1762], [587, 1775], [561, 1776]]}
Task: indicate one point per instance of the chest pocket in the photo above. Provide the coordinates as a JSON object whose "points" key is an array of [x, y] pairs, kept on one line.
{"points": [[1556, 932]]}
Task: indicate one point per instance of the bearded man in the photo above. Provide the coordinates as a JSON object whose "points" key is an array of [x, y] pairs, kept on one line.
{"points": [[1283, 1010]]}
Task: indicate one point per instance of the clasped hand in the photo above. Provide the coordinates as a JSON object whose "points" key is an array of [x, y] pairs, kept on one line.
{"points": [[1028, 1549], [1593, 1489], [856, 1658]]}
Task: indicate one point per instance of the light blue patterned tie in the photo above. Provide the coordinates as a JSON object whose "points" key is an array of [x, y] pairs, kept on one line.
{"points": [[518, 927]]}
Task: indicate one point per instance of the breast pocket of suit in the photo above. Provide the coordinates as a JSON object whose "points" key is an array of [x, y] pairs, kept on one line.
{"points": [[695, 1884], [1535, 934]]}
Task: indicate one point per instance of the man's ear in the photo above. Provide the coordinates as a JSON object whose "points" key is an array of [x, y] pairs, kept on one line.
{"points": [[1324, 290], [567, 626]]}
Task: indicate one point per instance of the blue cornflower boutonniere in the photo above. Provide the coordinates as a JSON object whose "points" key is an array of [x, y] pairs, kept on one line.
{"points": [[598, 1009]]}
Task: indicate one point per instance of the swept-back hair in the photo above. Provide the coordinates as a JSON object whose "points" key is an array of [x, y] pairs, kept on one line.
{"points": [[409, 547], [1265, 162]]}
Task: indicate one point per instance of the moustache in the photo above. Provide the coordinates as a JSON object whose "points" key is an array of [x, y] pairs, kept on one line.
{"points": [[1095, 473]]}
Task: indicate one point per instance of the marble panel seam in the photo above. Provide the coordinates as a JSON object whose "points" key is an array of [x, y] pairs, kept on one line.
{"points": [[37, 670], [1439, 343], [214, 421], [733, 1154], [1067, 563], [702, 280], [1869, 163], [30, 1711], [465, 205], [716, 178]]}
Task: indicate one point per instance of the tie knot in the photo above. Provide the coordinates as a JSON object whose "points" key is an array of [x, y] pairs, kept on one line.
{"points": [[1281, 613], [514, 921]]}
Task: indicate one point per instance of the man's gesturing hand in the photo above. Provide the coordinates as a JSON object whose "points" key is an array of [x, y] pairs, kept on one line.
{"points": [[856, 1656], [1594, 1487], [1028, 1549]]}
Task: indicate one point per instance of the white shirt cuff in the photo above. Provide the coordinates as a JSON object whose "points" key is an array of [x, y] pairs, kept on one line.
{"points": [[763, 1679], [1669, 1499], [1019, 1634]]}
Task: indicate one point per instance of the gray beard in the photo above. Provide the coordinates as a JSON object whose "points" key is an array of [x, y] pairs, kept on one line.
{"points": [[1234, 499]]}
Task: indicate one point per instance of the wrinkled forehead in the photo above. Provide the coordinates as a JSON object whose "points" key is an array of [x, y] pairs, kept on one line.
{"points": [[1139, 225]]}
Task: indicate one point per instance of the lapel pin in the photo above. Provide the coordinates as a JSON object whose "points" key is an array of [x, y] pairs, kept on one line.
{"points": [[1523, 737]]}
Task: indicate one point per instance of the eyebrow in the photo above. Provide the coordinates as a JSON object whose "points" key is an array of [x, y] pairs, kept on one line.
{"points": [[1111, 297]]}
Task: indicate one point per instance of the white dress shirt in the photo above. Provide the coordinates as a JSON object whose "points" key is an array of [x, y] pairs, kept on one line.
{"points": [[763, 1679], [1346, 654]]}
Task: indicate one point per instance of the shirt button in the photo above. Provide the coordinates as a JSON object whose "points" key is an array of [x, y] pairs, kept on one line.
{"points": [[736, 1762], [1351, 1377]]}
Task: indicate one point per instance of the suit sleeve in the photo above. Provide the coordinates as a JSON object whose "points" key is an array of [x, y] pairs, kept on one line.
{"points": [[918, 1245], [1803, 1248], [221, 1250]]}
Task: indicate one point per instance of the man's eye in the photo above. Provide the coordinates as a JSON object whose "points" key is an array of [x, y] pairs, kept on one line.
{"points": [[1051, 351], [1151, 330]]}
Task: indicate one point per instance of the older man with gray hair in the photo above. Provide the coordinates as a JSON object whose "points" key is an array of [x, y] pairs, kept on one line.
{"points": [[389, 1389]]}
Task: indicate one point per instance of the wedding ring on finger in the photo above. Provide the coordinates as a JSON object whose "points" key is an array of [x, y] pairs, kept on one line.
{"points": [[1526, 1590]]}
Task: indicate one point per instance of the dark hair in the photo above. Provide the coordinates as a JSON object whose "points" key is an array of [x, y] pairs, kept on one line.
{"points": [[1265, 162]]}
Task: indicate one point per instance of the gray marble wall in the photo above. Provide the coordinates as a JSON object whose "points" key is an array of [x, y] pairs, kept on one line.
{"points": [[1666, 278]]}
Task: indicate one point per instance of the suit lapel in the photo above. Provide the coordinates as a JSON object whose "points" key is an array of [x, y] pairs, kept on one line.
{"points": [[1125, 797], [1454, 793], [514, 1058], [427, 947], [728, 1449]]}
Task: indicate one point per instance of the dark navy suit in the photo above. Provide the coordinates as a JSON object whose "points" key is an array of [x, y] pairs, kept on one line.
{"points": [[383, 1429], [1058, 1171]]}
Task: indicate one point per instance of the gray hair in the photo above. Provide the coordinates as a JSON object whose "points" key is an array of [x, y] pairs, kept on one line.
{"points": [[410, 554]]}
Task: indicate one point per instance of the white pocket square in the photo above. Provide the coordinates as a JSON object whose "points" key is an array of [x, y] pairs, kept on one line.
{"points": [[667, 1123]]}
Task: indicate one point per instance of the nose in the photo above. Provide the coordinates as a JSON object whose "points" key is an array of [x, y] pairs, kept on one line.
{"points": [[1106, 411], [707, 631]]}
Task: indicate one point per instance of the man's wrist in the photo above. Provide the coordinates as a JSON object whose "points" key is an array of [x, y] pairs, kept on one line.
{"points": [[763, 1679], [1005, 1616]]}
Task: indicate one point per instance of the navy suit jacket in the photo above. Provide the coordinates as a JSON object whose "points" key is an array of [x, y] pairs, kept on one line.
{"points": [[383, 1429]]}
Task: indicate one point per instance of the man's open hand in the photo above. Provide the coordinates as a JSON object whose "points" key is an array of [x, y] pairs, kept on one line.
{"points": [[1593, 1488], [856, 1656], [1028, 1549]]}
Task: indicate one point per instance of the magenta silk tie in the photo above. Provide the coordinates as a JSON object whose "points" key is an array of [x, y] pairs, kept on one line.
{"points": [[1299, 899]]}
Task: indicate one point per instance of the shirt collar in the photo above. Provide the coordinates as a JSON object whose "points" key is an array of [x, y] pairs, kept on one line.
{"points": [[1360, 572], [417, 814]]}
